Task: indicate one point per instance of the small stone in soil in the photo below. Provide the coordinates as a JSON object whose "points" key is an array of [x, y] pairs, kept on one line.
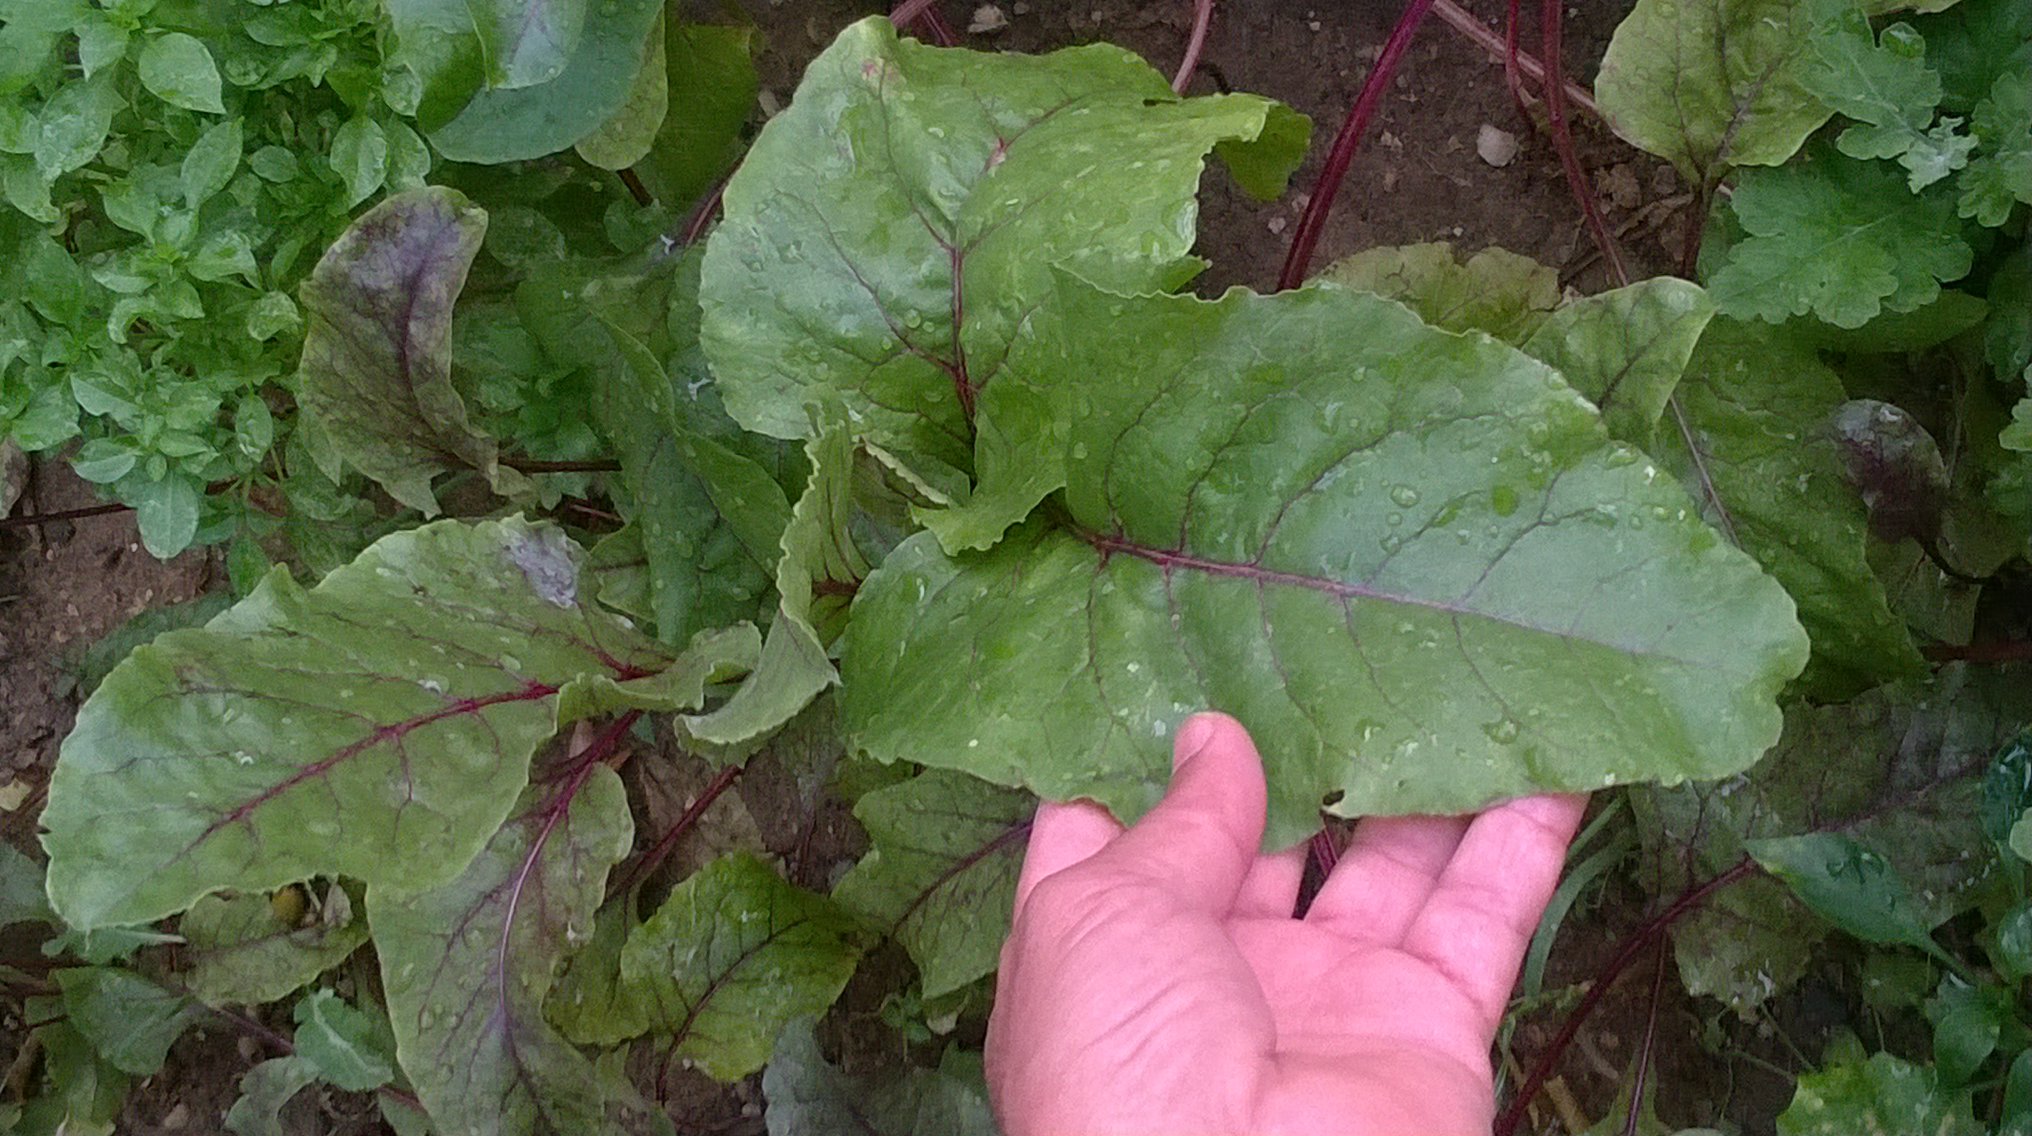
{"points": [[987, 18], [1496, 146]]}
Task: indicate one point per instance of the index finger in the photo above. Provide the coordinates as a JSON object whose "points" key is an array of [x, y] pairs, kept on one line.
{"points": [[1480, 918]]}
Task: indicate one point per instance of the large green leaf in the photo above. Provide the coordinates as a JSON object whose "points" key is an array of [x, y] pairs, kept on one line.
{"points": [[733, 955], [1841, 238], [1711, 84], [887, 233], [239, 950], [941, 877], [1494, 290], [378, 726], [1411, 562], [808, 1096], [509, 124], [178, 68], [377, 348], [1626, 349], [1755, 449], [467, 965]]}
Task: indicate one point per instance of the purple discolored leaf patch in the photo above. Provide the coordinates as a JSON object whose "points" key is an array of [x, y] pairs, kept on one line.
{"points": [[376, 371]]}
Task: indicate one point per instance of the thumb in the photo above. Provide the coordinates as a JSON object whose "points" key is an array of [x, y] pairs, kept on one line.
{"points": [[1202, 838]]}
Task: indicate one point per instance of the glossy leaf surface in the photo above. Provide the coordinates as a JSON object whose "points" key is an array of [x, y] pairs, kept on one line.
{"points": [[1424, 593], [733, 955], [888, 232], [1711, 84], [941, 877], [467, 966], [378, 726], [508, 124]]}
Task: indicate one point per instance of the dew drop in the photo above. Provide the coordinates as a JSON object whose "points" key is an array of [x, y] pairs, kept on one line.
{"points": [[1404, 495]]}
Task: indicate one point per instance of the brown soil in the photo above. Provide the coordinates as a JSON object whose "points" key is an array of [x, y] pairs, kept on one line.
{"points": [[1417, 178]]}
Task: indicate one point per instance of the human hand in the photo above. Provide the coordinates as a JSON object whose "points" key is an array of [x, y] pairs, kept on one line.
{"points": [[1156, 983]]}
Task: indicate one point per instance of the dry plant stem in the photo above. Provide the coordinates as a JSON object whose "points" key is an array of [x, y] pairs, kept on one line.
{"points": [[1633, 945], [1503, 49], [32, 519], [1551, 15], [1202, 19], [1310, 224]]}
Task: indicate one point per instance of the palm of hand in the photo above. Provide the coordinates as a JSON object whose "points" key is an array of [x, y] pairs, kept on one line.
{"points": [[1157, 983]]}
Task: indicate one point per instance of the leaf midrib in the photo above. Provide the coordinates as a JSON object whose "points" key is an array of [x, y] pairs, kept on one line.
{"points": [[1170, 560]]}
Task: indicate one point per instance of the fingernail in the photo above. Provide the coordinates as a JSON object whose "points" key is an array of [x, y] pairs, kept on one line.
{"points": [[1193, 737]]}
